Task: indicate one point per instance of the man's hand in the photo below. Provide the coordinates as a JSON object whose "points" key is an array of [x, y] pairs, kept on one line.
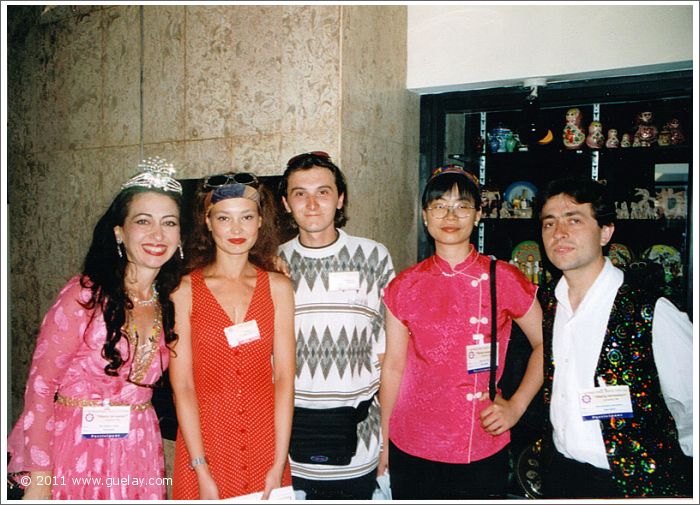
{"points": [[281, 266]]}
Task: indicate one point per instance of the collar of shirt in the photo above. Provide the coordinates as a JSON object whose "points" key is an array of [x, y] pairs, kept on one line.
{"points": [[606, 284], [440, 266], [322, 252]]}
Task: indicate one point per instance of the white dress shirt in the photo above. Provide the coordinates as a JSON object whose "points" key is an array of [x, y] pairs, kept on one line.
{"points": [[577, 341]]}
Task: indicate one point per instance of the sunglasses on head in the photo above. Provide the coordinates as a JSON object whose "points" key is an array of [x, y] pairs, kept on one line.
{"points": [[317, 154], [214, 181]]}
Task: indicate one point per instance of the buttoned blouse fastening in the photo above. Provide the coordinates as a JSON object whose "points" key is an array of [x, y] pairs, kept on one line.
{"points": [[436, 415]]}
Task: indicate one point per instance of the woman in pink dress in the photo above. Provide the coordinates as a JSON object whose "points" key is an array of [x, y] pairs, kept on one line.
{"points": [[444, 438], [88, 430]]}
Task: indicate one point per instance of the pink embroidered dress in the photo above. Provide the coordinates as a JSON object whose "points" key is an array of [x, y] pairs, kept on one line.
{"points": [[67, 373], [436, 415]]}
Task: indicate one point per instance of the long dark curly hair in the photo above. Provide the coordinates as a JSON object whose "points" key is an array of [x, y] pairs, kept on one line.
{"points": [[104, 270], [200, 249]]}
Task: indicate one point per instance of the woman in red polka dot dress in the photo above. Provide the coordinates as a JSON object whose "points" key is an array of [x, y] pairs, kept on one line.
{"points": [[233, 372]]}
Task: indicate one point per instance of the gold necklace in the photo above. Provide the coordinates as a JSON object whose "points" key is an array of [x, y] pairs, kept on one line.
{"points": [[145, 352]]}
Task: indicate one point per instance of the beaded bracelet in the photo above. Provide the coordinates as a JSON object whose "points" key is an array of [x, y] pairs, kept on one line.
{"points": [[198, 461]]}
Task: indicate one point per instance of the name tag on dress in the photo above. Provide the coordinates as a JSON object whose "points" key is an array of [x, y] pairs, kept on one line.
{"points": [[343, 281], [605, 402], [106, 422], [479, 357], [242, 333]]}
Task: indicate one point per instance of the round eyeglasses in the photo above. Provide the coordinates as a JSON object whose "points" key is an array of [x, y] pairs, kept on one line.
{"points": [[460, 210], [214, 181]]}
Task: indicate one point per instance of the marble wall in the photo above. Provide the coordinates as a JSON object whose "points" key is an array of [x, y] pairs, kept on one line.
{"points": [[242, 87]]}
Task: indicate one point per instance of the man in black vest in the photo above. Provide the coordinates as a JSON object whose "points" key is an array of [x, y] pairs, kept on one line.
{"points": [[620, 398]]}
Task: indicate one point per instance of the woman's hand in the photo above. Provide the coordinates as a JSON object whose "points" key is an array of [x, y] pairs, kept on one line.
{"points": [[500, 416], [207, 486], [383, 462], [273, 480], [39, 487]]}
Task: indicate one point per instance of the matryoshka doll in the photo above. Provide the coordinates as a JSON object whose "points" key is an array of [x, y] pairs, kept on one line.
{"points": [[646, 133], [595, 138], [573, 136], [674, 127], [664, 138], [612, 141], [626, 140]]}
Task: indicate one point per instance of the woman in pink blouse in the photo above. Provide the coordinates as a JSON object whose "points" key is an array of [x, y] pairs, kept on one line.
{"points": [[444, 438], [88, 430]]}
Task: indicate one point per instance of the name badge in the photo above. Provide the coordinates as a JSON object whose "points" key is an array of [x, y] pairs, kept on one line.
{"points": [[479, 357], [343, 281], [605, 402], [106, 422], [242, 333]]}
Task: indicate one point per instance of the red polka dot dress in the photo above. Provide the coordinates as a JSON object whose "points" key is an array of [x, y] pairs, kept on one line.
{"points": [[235, 394]]}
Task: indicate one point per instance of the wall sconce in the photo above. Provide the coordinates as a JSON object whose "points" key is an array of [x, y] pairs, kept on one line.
{"points": [[534, 132]]}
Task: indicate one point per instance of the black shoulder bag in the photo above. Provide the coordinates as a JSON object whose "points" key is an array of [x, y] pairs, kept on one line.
{"points": [[494, 336]]}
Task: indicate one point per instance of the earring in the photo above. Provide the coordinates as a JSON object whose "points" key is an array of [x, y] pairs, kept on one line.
{"points": [[182, 254], [119, 248]]}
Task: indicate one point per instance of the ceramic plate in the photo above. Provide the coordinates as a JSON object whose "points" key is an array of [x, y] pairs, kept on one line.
{"points": [[620, 255], [523, 250], [666, 256], [521, 189]]}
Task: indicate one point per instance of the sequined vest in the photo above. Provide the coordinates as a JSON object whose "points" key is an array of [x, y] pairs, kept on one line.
{"points": [[641, 449]]}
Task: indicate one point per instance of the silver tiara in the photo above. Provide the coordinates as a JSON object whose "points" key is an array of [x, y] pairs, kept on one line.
{"points": [[155, 173]]}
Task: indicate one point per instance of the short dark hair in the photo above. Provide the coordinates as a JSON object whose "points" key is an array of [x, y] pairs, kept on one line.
{"points": [[443, 183], [582, 190], [306, 161]]}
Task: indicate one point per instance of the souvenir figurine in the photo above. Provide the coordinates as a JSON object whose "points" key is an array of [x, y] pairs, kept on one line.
{"points": [[490, 202], [674, 126], [573, 135], [504, 213], [612, 141], [634, 211], [646, 132], [646, 205], [479, 144], [624, 212], [625, 140], [664, 137], [595, 138]]}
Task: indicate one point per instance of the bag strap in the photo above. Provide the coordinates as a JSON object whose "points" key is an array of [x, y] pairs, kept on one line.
{"points": [[362, 409], [494, 365]]}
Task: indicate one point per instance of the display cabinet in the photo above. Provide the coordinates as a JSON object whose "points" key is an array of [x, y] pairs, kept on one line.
{"points": [[651, 181]]}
